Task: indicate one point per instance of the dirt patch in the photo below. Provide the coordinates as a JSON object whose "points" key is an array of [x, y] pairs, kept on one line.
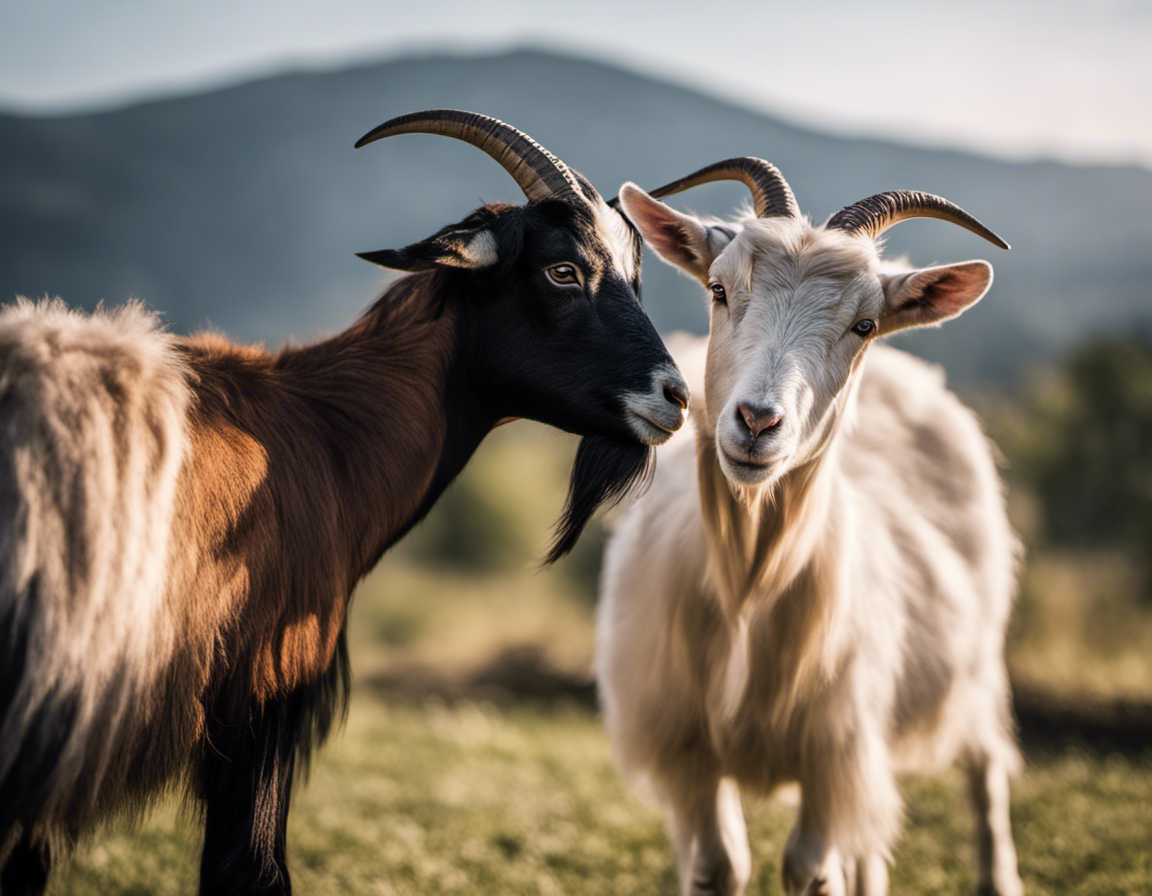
{"points": [[1049, 723], [524, 675], [517, 675]]}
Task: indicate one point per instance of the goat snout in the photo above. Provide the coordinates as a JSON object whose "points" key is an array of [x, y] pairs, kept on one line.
{"points": [[757, 418], [676, 391], [659, 412]]}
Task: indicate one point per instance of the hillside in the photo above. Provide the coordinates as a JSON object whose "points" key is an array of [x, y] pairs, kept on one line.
{"points": [[242, 208]]}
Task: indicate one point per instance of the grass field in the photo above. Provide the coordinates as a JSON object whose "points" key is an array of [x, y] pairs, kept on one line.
{"points": [[473, 800], [462, 797]]}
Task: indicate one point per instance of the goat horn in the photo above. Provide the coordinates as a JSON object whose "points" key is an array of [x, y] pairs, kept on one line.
{"points": [[771, 195], [539, 173], [874, 215]]}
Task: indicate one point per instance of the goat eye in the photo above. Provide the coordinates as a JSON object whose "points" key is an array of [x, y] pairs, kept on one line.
{"points": [[718, 294], [563, 274], [864, 327]]}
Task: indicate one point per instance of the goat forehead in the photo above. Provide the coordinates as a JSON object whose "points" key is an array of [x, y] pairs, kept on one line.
{"points": [[803, 306], [620, 242], [792, 280], [787, 251]]}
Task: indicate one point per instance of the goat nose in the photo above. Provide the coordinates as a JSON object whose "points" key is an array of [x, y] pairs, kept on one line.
{"points": [[676, 391], [757, 418]]}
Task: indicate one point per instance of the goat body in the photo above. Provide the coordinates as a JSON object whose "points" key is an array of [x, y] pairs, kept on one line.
{"points": [[822, 599], [215, 506], [185, 519]]}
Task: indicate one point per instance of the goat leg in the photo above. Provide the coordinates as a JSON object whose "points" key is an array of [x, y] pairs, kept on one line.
{"points": [[996, 852], [711, 838], [247, 782], [25, 871]]}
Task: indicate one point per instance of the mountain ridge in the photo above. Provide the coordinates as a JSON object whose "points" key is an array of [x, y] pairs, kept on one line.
{"points": [[243, 205]]}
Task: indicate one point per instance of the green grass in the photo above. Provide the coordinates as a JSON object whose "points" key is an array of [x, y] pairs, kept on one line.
{"points": [[472, 800]]}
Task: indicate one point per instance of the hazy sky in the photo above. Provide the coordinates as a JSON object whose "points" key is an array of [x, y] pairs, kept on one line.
{"points": [[1057, 78]]}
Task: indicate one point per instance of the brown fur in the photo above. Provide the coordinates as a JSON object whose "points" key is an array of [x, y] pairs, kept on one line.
{"points": [[215, 505], [300, 468], [298, 510]]}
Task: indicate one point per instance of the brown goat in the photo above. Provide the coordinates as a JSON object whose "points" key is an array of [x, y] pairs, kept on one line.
{"points": [[184, 520]]}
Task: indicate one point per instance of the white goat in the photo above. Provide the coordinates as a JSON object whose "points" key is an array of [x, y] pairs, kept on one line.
{"points": [[817, 589]]}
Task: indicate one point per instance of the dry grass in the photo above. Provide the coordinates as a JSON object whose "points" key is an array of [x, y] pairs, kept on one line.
{"points": [[472, 800], [1078, 631]]}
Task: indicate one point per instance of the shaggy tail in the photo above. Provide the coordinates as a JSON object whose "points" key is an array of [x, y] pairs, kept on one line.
{"points": [[92, 438], [34, 730]]}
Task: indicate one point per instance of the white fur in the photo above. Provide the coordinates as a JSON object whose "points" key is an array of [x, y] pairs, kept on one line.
{"points": [[830, 617], [480, 251], [616, 235], [92, 421], [652, 417]]}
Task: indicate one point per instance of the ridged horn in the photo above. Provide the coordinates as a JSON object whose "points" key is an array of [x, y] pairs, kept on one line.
{"points": [[539, 173], [771, 195], [874, 215]]}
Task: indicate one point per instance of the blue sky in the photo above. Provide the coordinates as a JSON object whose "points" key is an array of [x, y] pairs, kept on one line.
{"points": [[1069, 80]]}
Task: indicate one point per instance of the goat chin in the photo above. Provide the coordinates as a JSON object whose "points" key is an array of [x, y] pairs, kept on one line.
{"points": [[606, 469]]}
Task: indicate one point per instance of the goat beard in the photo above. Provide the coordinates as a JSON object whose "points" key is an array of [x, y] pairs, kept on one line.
{"points": [[606, 469]]}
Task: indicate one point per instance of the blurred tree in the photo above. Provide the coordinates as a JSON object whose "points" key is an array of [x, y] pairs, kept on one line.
{"points": [[469, 530], [1090, 457], [582, 566]]}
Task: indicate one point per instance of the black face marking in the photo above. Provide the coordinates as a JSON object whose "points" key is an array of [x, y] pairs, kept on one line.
{"points": [[558, 353]]}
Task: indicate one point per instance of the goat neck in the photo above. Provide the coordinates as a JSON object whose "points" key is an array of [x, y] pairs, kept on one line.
{"points": [[762, 538], [367, 428]]}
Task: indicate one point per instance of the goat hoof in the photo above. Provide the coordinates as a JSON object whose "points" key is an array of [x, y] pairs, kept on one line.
{"points": [[717, 879], [821, 886], [1011, 888], [827, 882]]}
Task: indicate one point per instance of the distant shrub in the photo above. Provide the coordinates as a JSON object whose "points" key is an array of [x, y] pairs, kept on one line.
{"points": [[470, 531], [399, 627], [582, 566], [1088, 455]]}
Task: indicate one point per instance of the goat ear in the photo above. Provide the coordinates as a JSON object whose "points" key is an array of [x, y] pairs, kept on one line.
{"points": [[932, 295], [471, 249], [681, 240]]}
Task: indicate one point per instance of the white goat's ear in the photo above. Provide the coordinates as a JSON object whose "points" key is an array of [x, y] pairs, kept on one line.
{"points": [[932, 295], [472, 249], [681, 240]]}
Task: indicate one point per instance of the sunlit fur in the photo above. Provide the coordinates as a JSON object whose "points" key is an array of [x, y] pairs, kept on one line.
{"points": [[180, 541], [184, 520], [832, 620], [93, 436]]}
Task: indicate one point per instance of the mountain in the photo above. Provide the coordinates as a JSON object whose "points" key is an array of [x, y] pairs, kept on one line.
{"points": [[241, 208]]}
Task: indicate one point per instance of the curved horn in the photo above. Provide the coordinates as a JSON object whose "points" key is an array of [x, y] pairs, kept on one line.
{"points": [[539, 173], [874, 215], [771, 195]]}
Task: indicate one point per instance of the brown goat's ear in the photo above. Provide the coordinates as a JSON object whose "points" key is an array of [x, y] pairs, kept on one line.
{"points": [[679, 239], [932, 295], [471, 249]]}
